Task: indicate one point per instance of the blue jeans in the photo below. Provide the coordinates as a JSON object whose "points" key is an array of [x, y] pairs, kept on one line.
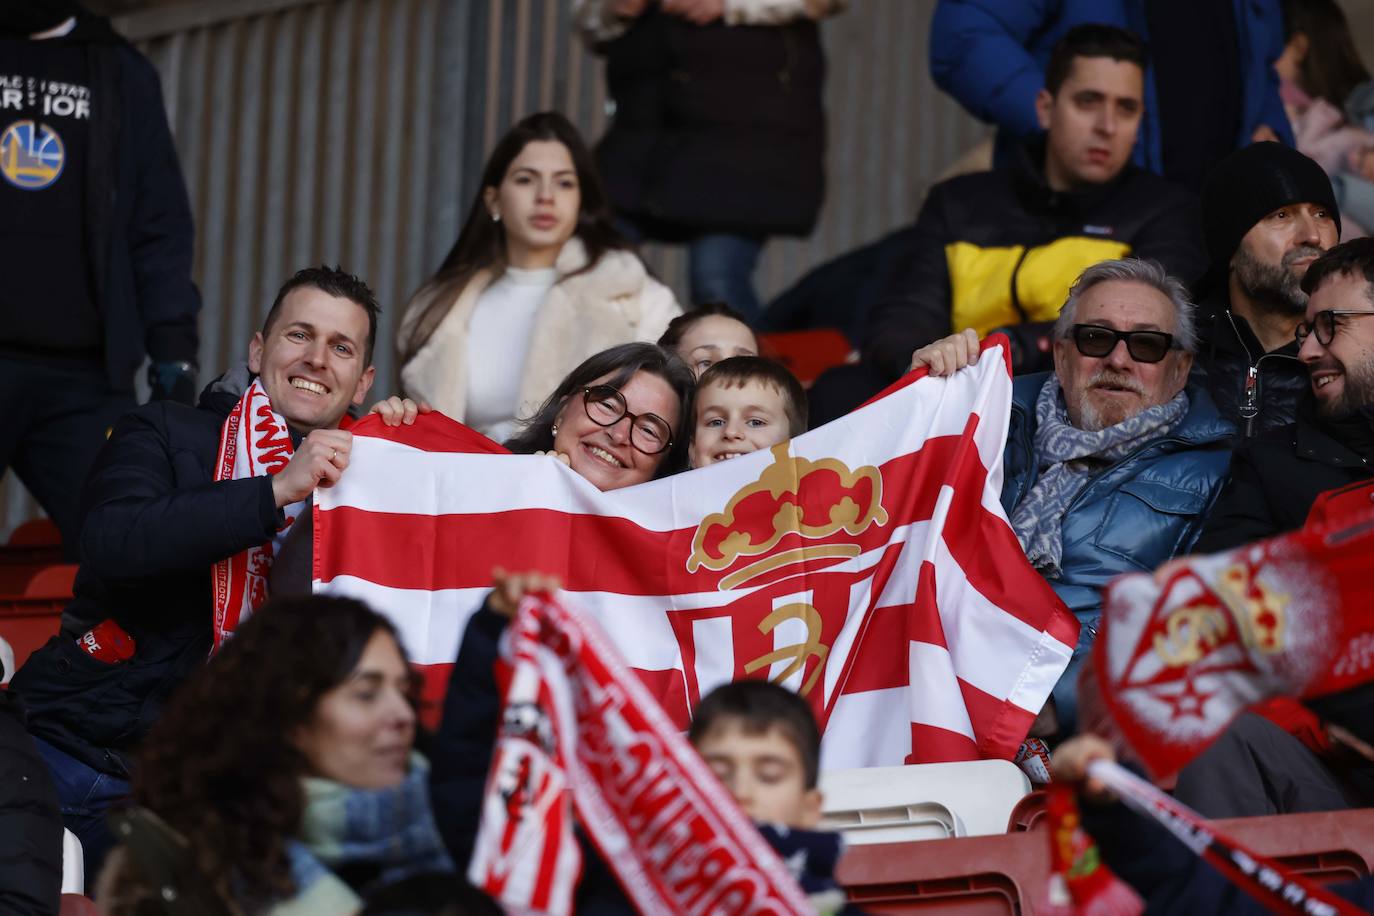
{"points": [[84, 796], [720, 268]]}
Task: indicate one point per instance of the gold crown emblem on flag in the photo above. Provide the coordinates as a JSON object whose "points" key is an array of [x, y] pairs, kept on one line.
{"points": [[817, 501]]}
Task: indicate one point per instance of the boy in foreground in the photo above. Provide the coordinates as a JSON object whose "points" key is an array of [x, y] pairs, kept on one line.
{"points": [[763, 743]]}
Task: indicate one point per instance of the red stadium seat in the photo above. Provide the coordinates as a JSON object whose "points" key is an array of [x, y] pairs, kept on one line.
{"points": [[36, 532], [32, 546], [1331, 846], [1027, 812], [968, 876], [30, 617], [1006, 874], [806, 353]]}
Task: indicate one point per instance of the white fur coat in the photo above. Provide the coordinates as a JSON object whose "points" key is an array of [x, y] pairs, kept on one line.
{"points": [[615, 302]]}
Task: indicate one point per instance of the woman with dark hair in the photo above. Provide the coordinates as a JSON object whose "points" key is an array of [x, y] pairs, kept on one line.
{"points": [[707, 334], [537, 281], [581, 422], [287, 765], [1329, 98]]}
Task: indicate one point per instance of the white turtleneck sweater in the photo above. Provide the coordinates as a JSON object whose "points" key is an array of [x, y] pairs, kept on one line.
{"points": [[498, 343]]}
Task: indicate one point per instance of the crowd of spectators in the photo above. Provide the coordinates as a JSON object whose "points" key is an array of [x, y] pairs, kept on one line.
{"points": [[1159, 241]]}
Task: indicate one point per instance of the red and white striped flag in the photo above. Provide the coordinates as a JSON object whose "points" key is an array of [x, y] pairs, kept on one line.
{"points": [[866, 564]]}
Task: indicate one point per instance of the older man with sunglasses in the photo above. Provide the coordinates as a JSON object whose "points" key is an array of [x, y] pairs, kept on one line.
{"points": [[1276, 476], [1112, 460]]}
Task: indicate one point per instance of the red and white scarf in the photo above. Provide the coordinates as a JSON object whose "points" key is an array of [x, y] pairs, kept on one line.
{"points": [[254, 441], [1176, 660], [581, 733], [1268, 882]]}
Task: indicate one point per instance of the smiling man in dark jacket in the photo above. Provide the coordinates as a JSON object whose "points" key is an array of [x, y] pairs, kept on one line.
{"points": [[95, 246], [160, 515], [1277, 475]]}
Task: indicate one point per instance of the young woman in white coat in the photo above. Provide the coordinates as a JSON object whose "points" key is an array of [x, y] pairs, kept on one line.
{"points": [[537, 282]]}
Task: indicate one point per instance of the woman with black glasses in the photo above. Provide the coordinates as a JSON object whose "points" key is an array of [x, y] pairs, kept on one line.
{"points": [[618, 419]]}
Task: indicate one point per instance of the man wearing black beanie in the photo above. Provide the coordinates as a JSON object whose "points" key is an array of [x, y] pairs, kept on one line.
{"points": [[1268, 211]]}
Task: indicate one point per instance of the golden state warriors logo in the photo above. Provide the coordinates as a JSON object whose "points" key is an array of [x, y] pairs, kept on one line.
{"points": [[31, 155]]}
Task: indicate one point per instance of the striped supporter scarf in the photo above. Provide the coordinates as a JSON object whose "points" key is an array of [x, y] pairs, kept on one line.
{"points": [[580, 733], [253, 441]]}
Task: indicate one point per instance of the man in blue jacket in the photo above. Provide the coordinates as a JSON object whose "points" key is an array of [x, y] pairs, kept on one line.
{"points": [[1112, 462], [1211, 87], [95, 246]]}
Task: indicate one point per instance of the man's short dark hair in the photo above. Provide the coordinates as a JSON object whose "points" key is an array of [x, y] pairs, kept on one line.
{"points": [[738, 371], [336, 282], [758, 707], [1091, 39], [1355, 258]]}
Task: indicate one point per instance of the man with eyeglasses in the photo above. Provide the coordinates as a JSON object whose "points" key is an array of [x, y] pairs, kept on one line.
{"points": [[1112, 460], [1268, 212], [1277, 475]]}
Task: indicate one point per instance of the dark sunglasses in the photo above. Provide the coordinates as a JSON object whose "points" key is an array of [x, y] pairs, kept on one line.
{"points": [[1144, 346], [605, 406], [1323, 324]]}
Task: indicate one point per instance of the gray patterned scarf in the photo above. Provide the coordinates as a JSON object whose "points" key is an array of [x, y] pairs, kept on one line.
{"points": [[1065, 455]]}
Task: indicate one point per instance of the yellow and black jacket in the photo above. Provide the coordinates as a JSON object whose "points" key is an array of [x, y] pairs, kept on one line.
{"points": [[1000, 249]]}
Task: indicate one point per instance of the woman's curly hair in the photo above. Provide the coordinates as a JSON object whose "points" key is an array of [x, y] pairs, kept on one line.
{"points": [[221, 766]]}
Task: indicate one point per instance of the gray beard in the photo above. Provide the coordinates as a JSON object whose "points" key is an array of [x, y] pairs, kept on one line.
{"points": [[1272, 287]]}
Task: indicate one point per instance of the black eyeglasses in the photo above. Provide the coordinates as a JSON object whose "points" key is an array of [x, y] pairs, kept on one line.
{"points": [[1323, 324], [1144, 346], [605, 406]]}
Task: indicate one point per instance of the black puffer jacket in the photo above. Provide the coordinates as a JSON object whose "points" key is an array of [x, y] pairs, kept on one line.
{"points": [[1278, 474], [1255, 390], [716, 127], [156, 523], [1000, 249]]}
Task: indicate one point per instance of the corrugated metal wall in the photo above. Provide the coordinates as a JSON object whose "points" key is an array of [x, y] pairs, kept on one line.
{"points": [[353, 131]]}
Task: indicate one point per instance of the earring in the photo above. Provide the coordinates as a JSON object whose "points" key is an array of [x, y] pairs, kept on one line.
{"points": [[555, 429], [496, 217]]}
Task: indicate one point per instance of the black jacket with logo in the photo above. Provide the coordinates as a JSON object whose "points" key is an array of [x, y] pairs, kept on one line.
{"points": [[156, 523], [137, 221], [1277, 474], [1255, 390], [1000, 249]]}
